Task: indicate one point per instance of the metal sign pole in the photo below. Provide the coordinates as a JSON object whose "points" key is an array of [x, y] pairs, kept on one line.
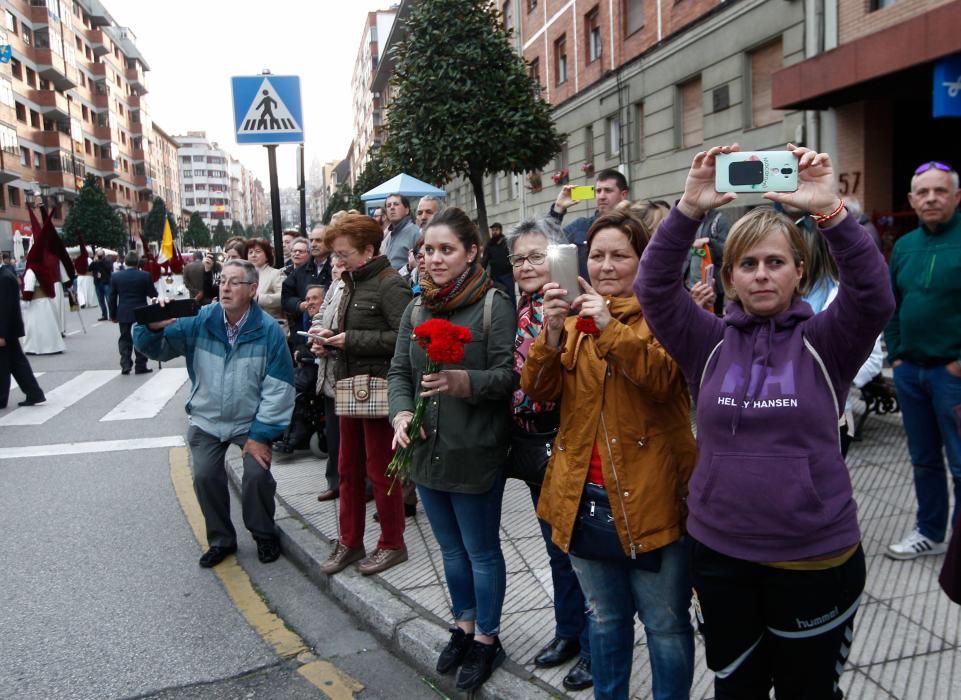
{"points": [[302, 186], [275, 205]]}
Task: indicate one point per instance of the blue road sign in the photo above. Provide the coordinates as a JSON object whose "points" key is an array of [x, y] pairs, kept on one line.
{"points": [[267, 109]]}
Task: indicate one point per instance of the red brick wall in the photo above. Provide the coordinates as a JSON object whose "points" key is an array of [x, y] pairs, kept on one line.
{"points": [[856, 20]]}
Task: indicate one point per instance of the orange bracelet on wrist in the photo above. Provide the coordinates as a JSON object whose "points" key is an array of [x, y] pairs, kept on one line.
{"points": [[821, 219]]}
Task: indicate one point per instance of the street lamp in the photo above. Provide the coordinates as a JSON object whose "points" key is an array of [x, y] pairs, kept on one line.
{"points": [[42, 196]]}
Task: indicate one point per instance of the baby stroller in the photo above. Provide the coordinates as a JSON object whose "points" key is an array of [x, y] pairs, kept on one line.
{"points": [[306, 429]]}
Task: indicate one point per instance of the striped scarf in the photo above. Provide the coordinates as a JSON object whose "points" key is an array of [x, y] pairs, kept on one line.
{"points": [[530, 322], [468, 288]]}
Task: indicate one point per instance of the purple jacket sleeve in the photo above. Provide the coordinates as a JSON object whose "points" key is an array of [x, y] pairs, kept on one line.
{"points": [[688, 332], [845, 332]]}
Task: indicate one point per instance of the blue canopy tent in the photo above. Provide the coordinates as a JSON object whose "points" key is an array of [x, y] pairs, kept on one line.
{"points": [[401, 184]]}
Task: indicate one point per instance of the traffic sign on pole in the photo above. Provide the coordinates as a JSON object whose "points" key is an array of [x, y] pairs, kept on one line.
{"points": [[267, 109]]}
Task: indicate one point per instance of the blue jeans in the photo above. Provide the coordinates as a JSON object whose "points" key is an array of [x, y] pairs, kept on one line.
{"points": [[570, 610], [928, 397], [467, 528], [662, 600], [103, 289]]}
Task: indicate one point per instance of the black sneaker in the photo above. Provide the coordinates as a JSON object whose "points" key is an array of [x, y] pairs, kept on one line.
{"points": [[455, 651], [215, 555], [479, 664], [268, 550]]}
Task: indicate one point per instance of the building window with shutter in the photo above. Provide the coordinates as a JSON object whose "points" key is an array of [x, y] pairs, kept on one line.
{"points": [[763, 62], [534, 71], [639, 131], [592, 25], [633, 16], [560, 59], [613, 136], [690, 120]]}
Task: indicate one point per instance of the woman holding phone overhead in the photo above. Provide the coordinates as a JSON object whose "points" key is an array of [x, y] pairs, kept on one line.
{"points": [[775, 551]]}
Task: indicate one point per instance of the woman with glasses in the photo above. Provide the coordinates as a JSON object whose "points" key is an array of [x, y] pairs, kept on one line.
{"points": [[261, 254], [776, 557], [615, 487], [535, 424], [373, 301]]}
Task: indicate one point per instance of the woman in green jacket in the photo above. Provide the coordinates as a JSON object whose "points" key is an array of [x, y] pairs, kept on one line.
{"points": [[458, 462]]}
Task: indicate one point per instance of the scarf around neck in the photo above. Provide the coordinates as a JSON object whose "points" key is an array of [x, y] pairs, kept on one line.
{"points": [[467, 288]]}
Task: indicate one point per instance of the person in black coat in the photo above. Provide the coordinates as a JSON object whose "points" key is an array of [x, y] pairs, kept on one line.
{"points": [[129, 289], [12, 360]]}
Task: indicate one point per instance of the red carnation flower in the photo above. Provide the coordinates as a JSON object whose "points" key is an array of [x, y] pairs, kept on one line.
{"points": [[586, 325], [442, 341]]}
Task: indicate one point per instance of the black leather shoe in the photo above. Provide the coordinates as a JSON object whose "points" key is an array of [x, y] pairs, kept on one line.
{"points": [[215, 555], [125, 370], [268, 550], [328, 495], [579, 677], [31, 402], [143, 370], [455, 651], [557, 652], [479, 664]]}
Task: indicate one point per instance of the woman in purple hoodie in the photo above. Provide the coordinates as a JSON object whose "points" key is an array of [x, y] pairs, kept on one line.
{"points": [[776, 559]]}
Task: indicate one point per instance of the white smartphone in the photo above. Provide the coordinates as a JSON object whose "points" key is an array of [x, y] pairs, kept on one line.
{"points": [[756, 171], [315, 338], [562, 261]]}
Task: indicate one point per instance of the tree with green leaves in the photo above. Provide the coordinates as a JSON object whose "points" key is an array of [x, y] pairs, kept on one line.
{"points": [[220, 234], [153, 225], [488, 118], [237, 229], [341, 201], [371, 176], [92, 215], [197, 234]]}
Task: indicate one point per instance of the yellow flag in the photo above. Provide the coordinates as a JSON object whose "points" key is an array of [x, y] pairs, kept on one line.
{"points": [[167, 245]]}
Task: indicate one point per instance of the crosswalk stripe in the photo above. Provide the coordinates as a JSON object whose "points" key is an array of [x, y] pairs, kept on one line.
{"points": [[60, 399], [35, 374], [97, 446], [151, 397]]}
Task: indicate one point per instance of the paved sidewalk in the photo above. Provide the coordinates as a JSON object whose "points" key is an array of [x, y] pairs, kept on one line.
{"points": [[907, 633]]}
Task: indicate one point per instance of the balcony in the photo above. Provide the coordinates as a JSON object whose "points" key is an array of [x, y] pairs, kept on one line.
{"points": [[50, 103], [101, 101], [99, 133], [142, 207], [137, 155], [96, 41], [98, 71], [54, 68], [10, 168], [113, 196], [99, 17], [136, 79], [52, 139], [136, 128], [133, 102], [39, 16]]}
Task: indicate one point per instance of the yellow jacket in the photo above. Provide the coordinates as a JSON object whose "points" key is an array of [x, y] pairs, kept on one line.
{"points": [[623, 391]]}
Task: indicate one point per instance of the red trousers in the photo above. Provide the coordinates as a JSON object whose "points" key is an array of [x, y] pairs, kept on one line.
{"points": [[365, 453]]}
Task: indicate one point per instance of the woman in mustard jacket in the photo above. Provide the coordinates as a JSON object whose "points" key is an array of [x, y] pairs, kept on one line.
{"points": [[625, 449]]}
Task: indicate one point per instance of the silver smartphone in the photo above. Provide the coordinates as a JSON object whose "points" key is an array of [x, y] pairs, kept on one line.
{"points": [[562, 261], [756, 171]]}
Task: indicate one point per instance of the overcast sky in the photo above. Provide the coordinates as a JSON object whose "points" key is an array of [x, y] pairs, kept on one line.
{"points": [[193, 47]]}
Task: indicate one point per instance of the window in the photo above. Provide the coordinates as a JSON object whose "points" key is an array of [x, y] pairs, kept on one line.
{"points": [[13, 194], [188, 188], [6, 93], [508, 11], [25, 157], [187, 173], [531, 4], [589, 145], [764, 61], [16, 70], [592, 24], [188, 203], [613, 136], [198, 159], [27, 39], [31, 78], [8, 139], [515, 181], [34, 119], [639, 131], [560, 59], [691, 113], [21, 112], [534, 71], [879, 4], [633, 15], [495, 189], [560, 160], [11, 21]]}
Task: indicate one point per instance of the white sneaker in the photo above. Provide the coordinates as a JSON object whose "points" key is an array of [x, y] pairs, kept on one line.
{"points": [[915, 545]]}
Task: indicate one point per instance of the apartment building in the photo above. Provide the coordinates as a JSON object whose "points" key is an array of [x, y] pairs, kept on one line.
{"points": [[163, 171], [71, 105], [873, 90], [368, 115]]}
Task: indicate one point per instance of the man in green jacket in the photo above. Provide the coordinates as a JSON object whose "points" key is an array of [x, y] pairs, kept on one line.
{"points": [[924, 347]]}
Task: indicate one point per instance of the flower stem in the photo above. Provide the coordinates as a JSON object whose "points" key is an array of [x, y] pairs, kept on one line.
{"points": [[399, 467]]}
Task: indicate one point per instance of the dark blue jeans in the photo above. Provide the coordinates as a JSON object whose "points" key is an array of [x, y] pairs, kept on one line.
{"points": [[570, 609], [103, 288], [616, 593], [928, 399], [467, 528]]}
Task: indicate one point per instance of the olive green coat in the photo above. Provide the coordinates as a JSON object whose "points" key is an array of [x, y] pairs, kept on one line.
{"points": [[467, 439]]}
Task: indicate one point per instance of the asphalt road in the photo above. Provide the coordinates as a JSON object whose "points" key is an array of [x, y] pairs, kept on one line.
{"points": [[104, 597]]}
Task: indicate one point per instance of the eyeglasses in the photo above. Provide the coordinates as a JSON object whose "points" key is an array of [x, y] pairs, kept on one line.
{"points": [[944, 167], [233, 284], [298, 251], [536, 258]]}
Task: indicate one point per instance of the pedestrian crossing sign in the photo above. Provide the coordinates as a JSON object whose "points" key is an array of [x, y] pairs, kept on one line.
{"points": [[267, 109]]}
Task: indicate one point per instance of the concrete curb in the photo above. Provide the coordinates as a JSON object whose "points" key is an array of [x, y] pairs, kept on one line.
{"points": [[409, 632]]}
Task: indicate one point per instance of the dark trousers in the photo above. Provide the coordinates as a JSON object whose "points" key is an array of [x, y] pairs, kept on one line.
{"points": [[125, 344], [570, 608], [14, 363], [257, 490], [768, 627], [332, 431], [103, 288]]}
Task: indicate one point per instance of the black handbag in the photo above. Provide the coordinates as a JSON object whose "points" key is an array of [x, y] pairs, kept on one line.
{"points": [[530, 452], [595, 536]]}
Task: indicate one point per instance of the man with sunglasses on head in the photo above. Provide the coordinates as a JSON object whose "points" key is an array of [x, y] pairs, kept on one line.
{"points": [[924, 348], [242, 394]]}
